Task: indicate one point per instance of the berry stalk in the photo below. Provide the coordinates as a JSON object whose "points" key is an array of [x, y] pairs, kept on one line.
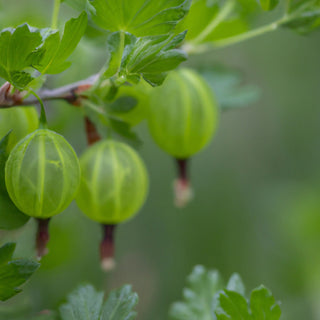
{"points": [[107, 247], [42, 237], [182, 186]]}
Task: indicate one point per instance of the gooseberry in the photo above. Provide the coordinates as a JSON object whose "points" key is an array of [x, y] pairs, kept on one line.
{"points": [[42, 174], [182, 120], [42, 177], [183, 114], [114, 185]]}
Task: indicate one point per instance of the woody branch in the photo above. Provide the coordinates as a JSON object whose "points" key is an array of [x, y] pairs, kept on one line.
{"points": [[69, 93]]}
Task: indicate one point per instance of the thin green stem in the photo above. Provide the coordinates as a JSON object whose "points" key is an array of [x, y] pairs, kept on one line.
{"points": [[43, 118], [55, 14], [219, 18], [192, 48], [219, 44], [245, 36]]}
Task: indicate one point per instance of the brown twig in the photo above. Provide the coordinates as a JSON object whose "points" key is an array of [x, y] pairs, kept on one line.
{"points": [[70, 93]]}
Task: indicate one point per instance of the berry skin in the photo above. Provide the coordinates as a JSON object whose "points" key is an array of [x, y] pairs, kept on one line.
{"points": [[114, 182], [183, 114], [21, 120], [42, 174]]}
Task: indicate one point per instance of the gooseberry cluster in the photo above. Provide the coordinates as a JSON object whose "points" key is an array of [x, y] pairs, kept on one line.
{"points": [[110, 182]]}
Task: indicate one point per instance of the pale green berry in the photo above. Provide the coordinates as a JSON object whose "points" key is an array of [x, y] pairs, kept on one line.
{"points": [[114, 182], [139, 92], [42, 174], [183, 114], [21, 120]]}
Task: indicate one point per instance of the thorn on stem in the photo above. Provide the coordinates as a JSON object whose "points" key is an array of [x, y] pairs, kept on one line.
{"points": [[42, 237], [107, 248], [182, 187]]}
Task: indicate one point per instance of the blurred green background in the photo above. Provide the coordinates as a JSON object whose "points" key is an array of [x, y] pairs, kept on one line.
{"points": [[257, 189]]}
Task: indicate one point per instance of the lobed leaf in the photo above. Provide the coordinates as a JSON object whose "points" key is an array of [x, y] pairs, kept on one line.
{"points": [[232, 305], [13, 273], [85, 303], [139, 17], [205, 300], [263, 305], [151, 57], [17, 53], [120, 305], [199, 296], [56, 51]]}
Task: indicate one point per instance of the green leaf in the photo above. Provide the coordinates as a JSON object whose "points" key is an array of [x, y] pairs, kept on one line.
{"points": [[17, 53], [199, 296], [118, 43], [219, 20], [84, 303], [56, 51], [151, 57], [123, 104], [6, 252], [205, 300], [233, 306], [269, 4], [227, 85], [263, 305], [139, 17], [120, 305], [13, 273], [10, 216], [123, 128]]}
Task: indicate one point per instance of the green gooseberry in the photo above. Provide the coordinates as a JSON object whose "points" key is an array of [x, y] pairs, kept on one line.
{"points": [[139, 92], [21, 120], [42, 174], [114, 182], [183, 114]]}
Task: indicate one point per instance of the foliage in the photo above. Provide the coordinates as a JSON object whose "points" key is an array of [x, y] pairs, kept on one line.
{"points": [[26, 49], [13, 272], [140, 17], [142, 41], [86, 303], [206, 298]]}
